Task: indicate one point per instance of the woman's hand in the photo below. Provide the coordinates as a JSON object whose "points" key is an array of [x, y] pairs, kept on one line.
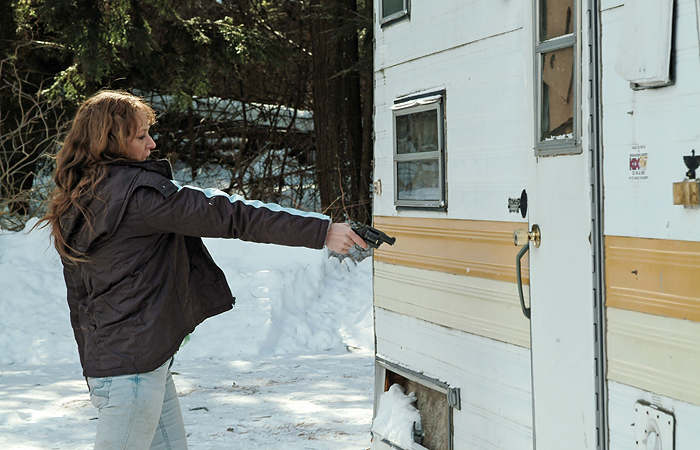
{"points": [[341, 238]]}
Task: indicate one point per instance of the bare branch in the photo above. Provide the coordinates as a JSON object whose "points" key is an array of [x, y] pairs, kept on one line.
{"points": [[31, 126]]}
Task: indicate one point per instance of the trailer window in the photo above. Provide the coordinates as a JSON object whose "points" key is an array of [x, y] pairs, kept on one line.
{"points": [[390, 10], [556, 68], [419, 175]]}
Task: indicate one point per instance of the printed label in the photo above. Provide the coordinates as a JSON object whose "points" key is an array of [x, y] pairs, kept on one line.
{"points": [[638, 163]]}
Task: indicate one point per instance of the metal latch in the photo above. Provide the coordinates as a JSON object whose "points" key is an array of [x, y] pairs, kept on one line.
{"points": [[418, 433], [453, 398]]}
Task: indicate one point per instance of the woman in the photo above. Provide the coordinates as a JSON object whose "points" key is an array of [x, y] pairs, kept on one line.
{"points": [[139, 278]]}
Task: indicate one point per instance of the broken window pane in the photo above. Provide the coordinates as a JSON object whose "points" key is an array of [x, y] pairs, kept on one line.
{"points": [[556, 18], [417, 132], [557, 94], [418, 180], [391, 7]]}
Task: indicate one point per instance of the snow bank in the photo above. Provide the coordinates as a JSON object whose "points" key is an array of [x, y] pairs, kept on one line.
{"points": [[395, 417], [288, 301], [34, 321]]}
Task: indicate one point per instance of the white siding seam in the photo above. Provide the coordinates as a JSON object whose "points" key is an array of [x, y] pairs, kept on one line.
{"points": [[465, 265], [612, 8], [656, 335], [498, 237], [638, 375], [478, 293], [473, 325], [480, 443], [474, 378], [498, 419], [485, 345], [473, 309], [383, 68], [490, 382]]}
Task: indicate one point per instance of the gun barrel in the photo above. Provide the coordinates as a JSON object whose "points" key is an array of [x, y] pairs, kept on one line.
{"points": [[372, 236]]}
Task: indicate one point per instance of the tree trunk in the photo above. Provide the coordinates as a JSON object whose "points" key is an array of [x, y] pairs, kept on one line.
{"points": [[367, 93], [337, 109]]}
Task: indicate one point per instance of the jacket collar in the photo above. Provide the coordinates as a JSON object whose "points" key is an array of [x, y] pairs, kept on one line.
{"points": [[159, 166], [107, 208]]}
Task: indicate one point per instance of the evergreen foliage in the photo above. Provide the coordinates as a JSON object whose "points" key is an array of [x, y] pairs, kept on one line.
{"points": [[56, 53]]}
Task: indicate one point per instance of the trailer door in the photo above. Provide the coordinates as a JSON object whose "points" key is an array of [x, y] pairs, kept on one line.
{"points": [[562, 315], [562, 195]]}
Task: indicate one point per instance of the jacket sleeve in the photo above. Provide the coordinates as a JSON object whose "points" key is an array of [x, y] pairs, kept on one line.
{"points": [[198, 212], [77, 295]]}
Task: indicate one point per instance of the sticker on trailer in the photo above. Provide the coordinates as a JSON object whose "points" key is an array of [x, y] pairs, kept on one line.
{"points": [[638, 163]]}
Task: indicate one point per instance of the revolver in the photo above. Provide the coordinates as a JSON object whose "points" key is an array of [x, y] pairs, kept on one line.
{"points": [[372, 236]]}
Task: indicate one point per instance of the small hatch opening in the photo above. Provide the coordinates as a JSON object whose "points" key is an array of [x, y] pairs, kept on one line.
{"points": [[434, 400], [433, 408]]}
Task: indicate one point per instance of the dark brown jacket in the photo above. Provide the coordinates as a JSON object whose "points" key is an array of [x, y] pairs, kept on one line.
{"points": [[150, 280]]}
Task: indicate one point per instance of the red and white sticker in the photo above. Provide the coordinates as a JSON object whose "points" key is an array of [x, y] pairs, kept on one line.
{"points": [[638, 163]]}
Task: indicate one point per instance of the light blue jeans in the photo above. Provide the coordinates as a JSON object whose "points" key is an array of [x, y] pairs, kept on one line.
{"points": [[138, 412]]}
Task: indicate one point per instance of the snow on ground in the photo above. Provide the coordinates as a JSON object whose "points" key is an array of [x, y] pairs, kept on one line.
{"points": [[290, 367]]}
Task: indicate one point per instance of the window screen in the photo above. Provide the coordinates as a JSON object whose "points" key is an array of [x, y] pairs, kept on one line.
{"points": [[418, 153]]}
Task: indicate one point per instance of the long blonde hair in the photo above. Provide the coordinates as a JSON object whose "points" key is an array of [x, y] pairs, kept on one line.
{"points": [[100, 133]]}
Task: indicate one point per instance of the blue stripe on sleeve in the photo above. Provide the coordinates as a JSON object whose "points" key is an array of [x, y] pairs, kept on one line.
{"points": [[209, 193]]}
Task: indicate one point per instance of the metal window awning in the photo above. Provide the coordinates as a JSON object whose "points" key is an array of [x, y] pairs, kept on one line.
{"points": [[417, 102], [644, 50]]}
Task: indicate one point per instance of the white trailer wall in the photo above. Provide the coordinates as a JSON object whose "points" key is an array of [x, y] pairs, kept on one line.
{"points": [[432, 314]]}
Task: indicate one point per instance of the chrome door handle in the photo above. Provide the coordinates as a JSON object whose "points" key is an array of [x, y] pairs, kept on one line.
{"points": [[526, 310]]}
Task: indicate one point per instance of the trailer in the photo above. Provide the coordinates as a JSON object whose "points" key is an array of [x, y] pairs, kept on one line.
{"points": [[535, 160]]}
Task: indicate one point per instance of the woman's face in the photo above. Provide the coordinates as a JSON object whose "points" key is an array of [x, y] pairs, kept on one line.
{"points": [[140, 144]]}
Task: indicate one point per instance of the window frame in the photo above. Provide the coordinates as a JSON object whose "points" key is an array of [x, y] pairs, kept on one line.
{"points": [[568, 146], [395, 16], [452, 394], [412, 105]]}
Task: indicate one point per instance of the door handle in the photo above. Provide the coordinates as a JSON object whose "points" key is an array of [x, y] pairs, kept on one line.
{"points": [[521, 237], [526, 310]]}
